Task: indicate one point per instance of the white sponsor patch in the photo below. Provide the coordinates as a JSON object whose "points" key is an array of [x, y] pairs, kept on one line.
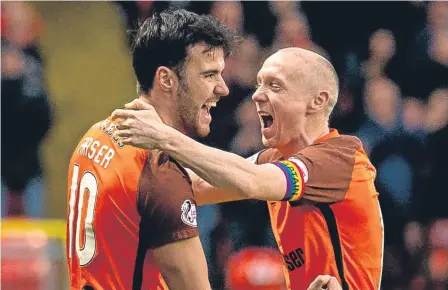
{"points": [[302, 167], [189, 213]]}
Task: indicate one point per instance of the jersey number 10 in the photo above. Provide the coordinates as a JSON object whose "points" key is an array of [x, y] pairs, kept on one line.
{"points": [[88, 183]]}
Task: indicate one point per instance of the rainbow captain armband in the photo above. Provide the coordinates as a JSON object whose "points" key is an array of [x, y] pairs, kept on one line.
{"points": [[294, 177]]}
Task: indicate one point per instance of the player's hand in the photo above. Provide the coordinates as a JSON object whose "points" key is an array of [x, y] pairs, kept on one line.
{"points": [[138, 104], [325, 282], [140, 128]]}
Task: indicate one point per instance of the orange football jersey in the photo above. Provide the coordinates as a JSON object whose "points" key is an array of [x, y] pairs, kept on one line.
{"points": [[334, 225], [122, 202]]}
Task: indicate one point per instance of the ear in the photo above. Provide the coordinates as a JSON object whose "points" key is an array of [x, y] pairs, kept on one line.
{"points": [[319, 102], [165, 78]]}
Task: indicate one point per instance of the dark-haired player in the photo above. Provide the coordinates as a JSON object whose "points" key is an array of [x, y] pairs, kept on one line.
{"points": [[131, 221]]}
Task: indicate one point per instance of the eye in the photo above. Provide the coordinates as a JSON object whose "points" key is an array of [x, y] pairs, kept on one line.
{"points": [[210, 75], [257, 86], [275, 87]]}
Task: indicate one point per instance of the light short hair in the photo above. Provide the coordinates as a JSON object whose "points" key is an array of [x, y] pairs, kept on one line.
{"points": [[329, 80]]}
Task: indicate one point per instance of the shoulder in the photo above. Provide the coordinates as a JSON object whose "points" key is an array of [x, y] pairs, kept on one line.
{"points": [[331, 157], [265, 156], [162, 174], [161, 163], [347, 141], [345, 145]]}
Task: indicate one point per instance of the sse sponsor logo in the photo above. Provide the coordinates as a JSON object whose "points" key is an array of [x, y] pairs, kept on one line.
{"points": [[294, 259]]}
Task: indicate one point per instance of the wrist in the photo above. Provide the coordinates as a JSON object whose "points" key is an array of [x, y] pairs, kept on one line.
{"points": [[168, 138]]}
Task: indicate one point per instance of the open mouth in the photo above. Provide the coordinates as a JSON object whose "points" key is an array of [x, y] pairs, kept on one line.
{"points": [[268, 120], [206, 108], [208, 105]]}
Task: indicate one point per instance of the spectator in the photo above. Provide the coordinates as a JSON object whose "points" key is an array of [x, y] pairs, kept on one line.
{"points": [[437, 114], [135, 11], [381, 50], [248, 138], [230, 13], [427, 57], [433, 201], [293, 30], [26, 106], [413, 114], [382, 104], [283, 8]]}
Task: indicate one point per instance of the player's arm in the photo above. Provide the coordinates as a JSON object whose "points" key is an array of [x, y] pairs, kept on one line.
{"points": [[169, 223], [320, 173], [330, 169], [183, 265], [145, 129], [233, 173], [205, 193]]}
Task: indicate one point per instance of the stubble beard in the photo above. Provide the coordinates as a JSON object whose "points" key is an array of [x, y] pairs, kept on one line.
{"points": [[187, 110]]}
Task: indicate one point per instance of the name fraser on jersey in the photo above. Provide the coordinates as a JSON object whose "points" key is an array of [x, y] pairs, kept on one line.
{"points": [[93, 149]]}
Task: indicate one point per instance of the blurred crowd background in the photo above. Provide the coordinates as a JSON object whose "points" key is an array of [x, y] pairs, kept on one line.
{"points": [[66, 65]]}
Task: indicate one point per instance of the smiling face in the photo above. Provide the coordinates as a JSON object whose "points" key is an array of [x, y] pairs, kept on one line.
{"points": [[201, 86], [281, 101], [297, 90]]}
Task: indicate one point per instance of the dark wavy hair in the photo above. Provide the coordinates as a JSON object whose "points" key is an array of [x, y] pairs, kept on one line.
{"points": [[165, 37]]}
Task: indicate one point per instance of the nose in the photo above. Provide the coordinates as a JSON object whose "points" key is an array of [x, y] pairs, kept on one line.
{"points": [[259, 96], [221, 88]]}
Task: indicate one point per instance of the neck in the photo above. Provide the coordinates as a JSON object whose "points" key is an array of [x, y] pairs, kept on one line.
{"points": [[166, 110], [312, 131]]}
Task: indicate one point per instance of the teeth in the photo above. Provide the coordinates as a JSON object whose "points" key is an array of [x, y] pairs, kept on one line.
{"points": [[210, 104]]}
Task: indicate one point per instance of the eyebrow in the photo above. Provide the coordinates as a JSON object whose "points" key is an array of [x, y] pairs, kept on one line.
{"points": [[271, 78], [212, 71]]}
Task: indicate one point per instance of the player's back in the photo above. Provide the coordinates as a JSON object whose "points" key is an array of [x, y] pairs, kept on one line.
{"points": [[104, 250]]}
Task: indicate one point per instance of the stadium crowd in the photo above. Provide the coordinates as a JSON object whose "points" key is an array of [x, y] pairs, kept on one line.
{"points": [[392, 61]]}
